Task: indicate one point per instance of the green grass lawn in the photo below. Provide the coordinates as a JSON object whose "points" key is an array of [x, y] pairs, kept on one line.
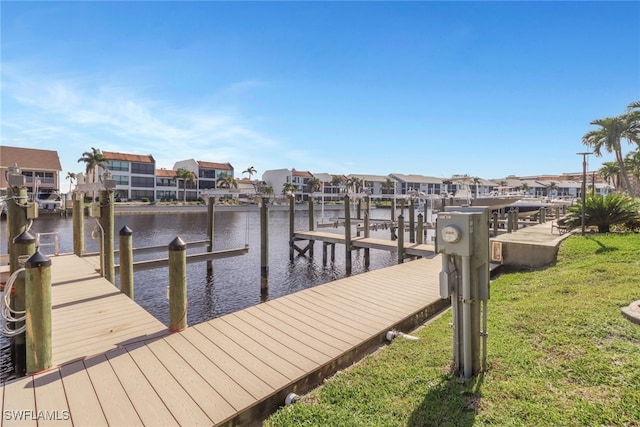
{"points": [[559, 354]]}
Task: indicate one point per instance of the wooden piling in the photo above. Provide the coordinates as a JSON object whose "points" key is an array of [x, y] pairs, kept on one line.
{"points": [[77, 218], [16, 221], [400, 239], [367, 231], [292, 219], [106, 220], [38, 308], [264, 245], [210, 230], [347, 233], [412, 220], [420, 230], [25, 246], [177, 285], [126, 261], [495, 223], [393, 208], [311, 225]]}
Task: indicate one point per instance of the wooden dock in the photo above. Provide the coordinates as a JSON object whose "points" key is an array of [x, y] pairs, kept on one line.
{"points": [[411, 249], [117, 365]]}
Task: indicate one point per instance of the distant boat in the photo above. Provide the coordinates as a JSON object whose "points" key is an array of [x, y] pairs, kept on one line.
{"points": [[492, 200]]}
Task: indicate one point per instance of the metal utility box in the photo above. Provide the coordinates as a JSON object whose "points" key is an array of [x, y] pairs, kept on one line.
{"points": [[455, 233], [94, 210], [32, 210]]}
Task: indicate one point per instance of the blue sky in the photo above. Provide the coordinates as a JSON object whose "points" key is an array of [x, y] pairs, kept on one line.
{"points": [[434, 88]]}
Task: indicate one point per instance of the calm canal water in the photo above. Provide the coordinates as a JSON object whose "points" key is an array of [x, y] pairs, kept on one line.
{"points": [[235, 282]]}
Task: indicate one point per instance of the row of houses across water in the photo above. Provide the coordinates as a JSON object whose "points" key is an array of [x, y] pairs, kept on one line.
{"points": [[137, 178]]}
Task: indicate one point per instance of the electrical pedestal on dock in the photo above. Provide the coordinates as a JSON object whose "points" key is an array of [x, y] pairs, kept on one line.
{"points": [[463, 241]]}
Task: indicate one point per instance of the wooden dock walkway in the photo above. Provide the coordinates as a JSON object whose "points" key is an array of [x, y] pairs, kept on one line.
{"points": [[412, 249], [117, 365]]}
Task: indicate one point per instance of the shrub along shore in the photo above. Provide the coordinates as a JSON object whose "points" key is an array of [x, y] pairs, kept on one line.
{"points": [[559, 353]]}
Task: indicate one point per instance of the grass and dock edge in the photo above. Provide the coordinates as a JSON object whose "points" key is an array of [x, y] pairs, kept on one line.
{"points": [[559, 353]]}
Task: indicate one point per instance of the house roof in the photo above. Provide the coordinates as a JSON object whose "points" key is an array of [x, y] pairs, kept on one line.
{"points": [[30, 158], [416, 178], [212, 165], [166, 173], [370, 178], [126, 157], [305, 174]]}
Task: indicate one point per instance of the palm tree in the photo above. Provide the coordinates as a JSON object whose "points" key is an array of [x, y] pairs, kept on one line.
{"points": [[524, 187], [71, 177], [313, 185], [93, 160], [612, 130], [337, 181], [634, 105], [226, 180], [389, 184], [610, 172], [288, 188], [250, 171], [632, 163], [551, 187], [354, 183], [476, 182], [186, 176]]}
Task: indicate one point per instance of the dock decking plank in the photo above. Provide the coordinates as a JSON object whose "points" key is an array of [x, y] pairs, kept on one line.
{"points": [[114, 400], [83, 402], [19, 399], [179, 402], [50, 397], [252, 383], [254, 363], [237, 396], [150, 408], [207, 398]]}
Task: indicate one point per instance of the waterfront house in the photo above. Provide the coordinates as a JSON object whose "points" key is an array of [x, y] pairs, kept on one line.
{"points": [[424, 184], [207, 174], [41, 168], [166, 185], [374, 184], [277, 178], [134, 174]]}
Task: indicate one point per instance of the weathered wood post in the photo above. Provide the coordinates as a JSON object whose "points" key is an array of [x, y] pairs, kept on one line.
{"points": [[25, 246], [38, 308], [210, 230], [557, 212], [543, 215], [177, 285], [106, 220], [400, 239], [358, 216], [509, 222], [367, 231], [412, 220], [77, 217], [402, 207], [311, 226], [495, 223], [126, 261], [393, 208], [292, 218], [347, 233], [420, 231], [16, 221], [264, 245]]}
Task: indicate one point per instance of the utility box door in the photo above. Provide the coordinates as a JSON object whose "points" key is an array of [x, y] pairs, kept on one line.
{"points": [[455, 231]]}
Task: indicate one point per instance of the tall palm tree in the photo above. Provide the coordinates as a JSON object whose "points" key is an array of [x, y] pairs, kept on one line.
{"points": [[634, 105], [337, 181], [226, 180], [313, 185], [608, 137], [524, 187], [354, 183], [551, 187], [250, 171], [71, 177], [186, 176], [93, 160], [476, 182], [610, 172]]}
